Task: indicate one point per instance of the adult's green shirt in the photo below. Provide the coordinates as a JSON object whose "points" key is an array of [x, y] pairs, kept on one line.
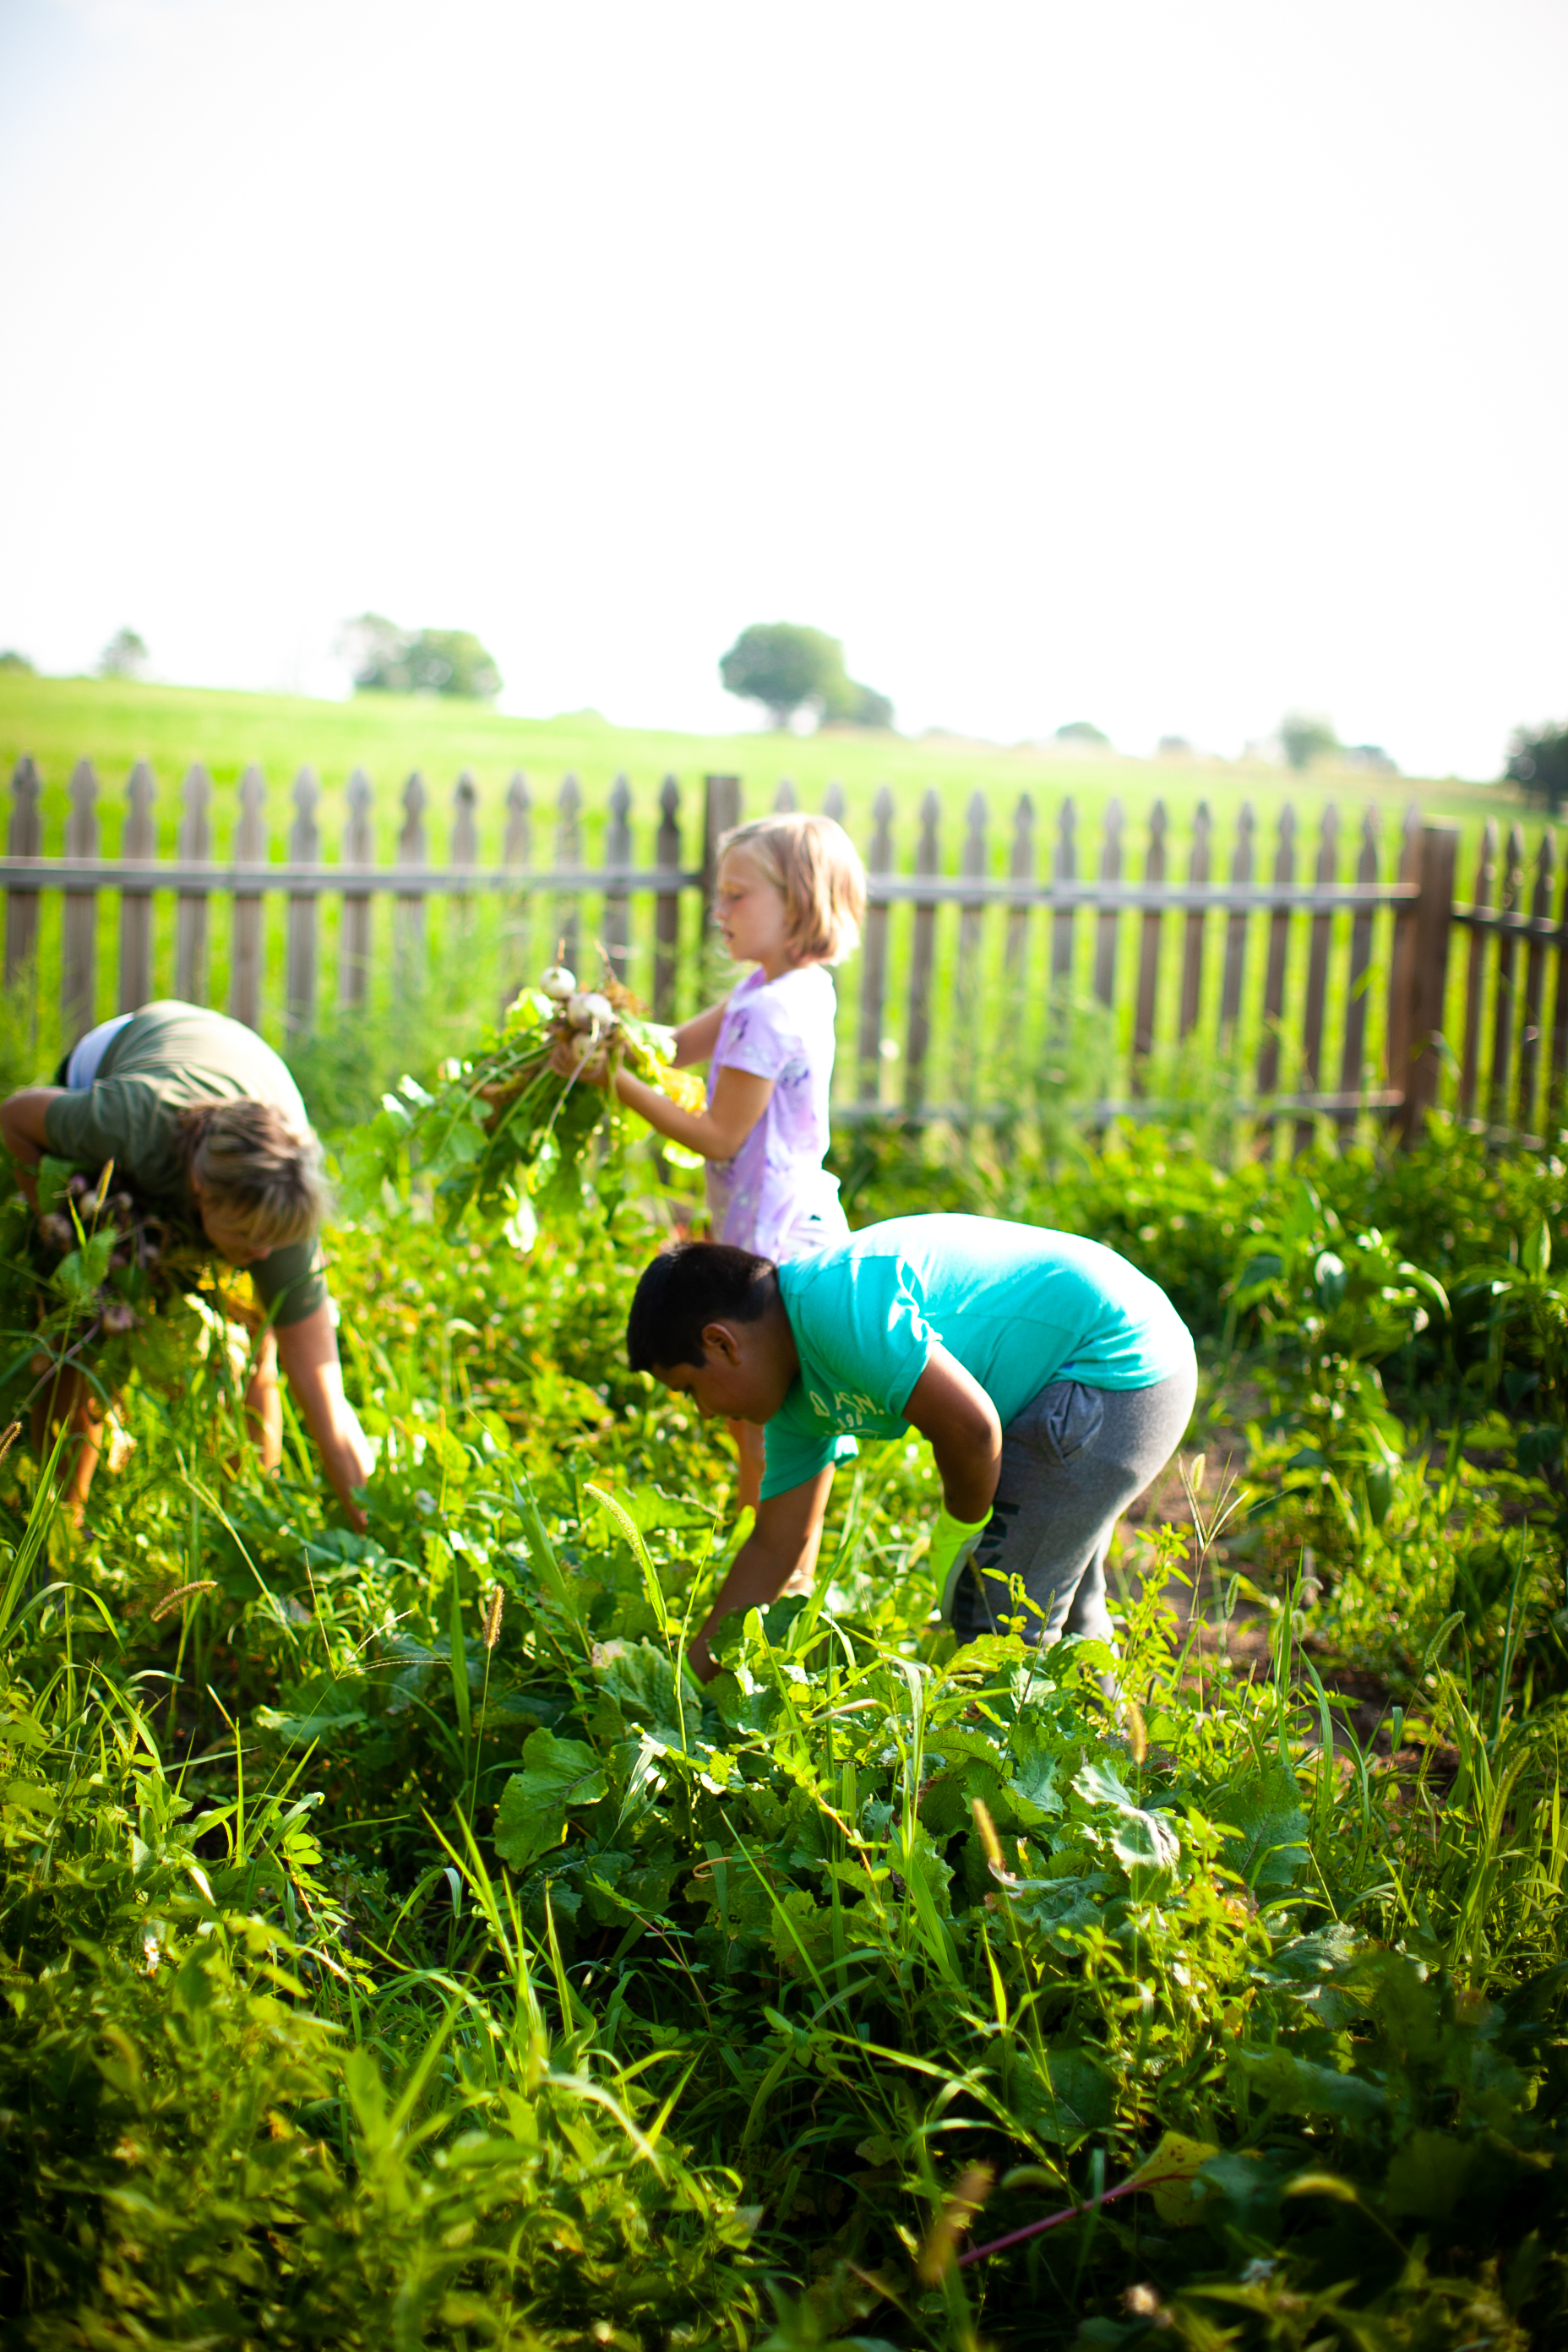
{"points": [[168, 1058], [1019, 1307]]}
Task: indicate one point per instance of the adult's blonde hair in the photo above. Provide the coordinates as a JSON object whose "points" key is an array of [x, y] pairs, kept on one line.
{"points": [[813, 862], [260, 1172]]}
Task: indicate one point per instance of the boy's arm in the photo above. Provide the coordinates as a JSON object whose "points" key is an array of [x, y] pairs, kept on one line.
{"points": [[780, 1550], [948, 1405]]}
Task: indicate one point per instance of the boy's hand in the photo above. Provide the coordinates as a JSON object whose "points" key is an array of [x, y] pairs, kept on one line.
{"points": [[952, 1540]]}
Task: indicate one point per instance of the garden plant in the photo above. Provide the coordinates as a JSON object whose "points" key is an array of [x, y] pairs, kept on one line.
{"points": [[400, 1947]]}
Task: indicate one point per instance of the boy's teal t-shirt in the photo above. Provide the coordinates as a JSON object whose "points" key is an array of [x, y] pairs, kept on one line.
{"points": [[1019, 1307]]}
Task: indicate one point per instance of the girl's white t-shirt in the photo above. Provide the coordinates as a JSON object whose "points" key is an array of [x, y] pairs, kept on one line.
{"points": [[776, 1197]]}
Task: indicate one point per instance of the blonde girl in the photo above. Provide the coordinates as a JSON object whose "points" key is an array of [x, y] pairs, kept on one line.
{"points": [[790, 900]]}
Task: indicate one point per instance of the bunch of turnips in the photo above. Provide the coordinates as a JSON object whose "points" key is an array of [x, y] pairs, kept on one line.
{"points": [[505, 1134]]}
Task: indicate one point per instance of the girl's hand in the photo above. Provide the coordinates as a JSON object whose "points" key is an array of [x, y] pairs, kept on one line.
{"points": [[578, 1057]]}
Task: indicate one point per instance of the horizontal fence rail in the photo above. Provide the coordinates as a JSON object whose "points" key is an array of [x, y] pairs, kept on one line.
{"points": [[1270, 978]]}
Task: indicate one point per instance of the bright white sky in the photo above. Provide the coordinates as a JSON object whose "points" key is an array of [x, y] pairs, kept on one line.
{"points": [[1162, 365]]}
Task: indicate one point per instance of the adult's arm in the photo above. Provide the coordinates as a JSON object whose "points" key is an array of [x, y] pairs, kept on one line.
{"points": [[948, 1405], [780, 1550], [22, 1118], [308, 1352]]}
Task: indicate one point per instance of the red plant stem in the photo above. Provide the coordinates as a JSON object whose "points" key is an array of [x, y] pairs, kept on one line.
{"points": [[1068, 2213]]}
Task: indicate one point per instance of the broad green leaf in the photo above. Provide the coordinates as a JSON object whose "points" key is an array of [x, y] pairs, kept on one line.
{"points": [[1169, 2174], [1302, 2088], [530, 1818], [1265, 1810]]}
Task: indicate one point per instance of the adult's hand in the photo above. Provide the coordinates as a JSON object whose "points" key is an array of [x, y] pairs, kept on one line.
{"points": [[22, 1130], [308, 1352], [778, 1556]]}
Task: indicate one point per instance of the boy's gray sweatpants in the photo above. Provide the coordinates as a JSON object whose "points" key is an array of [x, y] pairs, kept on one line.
{"points": [[1071, 1462]]}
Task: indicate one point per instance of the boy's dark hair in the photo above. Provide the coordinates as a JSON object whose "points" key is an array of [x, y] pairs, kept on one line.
{"points": [[688, 1288]]}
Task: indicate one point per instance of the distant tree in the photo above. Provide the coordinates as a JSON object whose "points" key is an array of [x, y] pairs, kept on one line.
{"points": [[12, 659], [788, 667], [1371, 756], [1306, 737], [858, 705], [1538, 764], [1174, 747], [1079, 734], [389, 660], [125, 656]]}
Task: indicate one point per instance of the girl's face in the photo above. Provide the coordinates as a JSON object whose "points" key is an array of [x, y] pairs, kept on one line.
{"points": [[753, 916]]}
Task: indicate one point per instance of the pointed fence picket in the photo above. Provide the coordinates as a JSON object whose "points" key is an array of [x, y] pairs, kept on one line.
{"points": [[1351, 977]]}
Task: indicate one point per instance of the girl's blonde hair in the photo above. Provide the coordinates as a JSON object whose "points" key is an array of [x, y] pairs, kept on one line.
{"points": [[260, 1172], [813, 862]]}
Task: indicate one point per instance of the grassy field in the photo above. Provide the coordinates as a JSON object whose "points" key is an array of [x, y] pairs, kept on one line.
{"points": [[115, 723], [397, 1948]]}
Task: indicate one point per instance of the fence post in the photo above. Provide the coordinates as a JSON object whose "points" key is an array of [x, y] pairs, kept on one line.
{"points": [[1429, 980], [462, 850], [250, 849], [1109, 917], [1558, 1078], [784, 801], [666, 906], [874, 962], [1353, 1055], [1193, 945], [971, 932], [1476, 983], [1279, 944], [1535, 981], [79, 941], [1507, 976], [927, 861], [1400, 964], [1235, 930], [516, 850], [1062, 920], [617, 857], [568, 855], [1015, 954], [409, 913], [304, 849], [721, 812], [1317, 973], [191, 919], [24, 838], [138, 840], [1149, 952], [353, 925], [832, 802]]}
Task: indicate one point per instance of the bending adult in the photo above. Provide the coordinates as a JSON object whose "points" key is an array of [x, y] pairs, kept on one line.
{"points": [[204, 1122], [1053, 1380]]}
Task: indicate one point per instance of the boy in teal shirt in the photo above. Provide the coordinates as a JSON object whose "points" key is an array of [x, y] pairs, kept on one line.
{"points": [[1052, 1379]]}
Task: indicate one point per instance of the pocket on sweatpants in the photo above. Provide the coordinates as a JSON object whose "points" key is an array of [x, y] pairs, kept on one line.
{"points": [[1073, 1417]]}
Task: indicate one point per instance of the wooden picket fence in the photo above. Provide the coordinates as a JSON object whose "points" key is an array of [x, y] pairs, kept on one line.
{"points": [[1339, 1010]]}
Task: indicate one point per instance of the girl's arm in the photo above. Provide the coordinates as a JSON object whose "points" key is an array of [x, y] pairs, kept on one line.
{"points": [[695, 1040], [736, 1100]]}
